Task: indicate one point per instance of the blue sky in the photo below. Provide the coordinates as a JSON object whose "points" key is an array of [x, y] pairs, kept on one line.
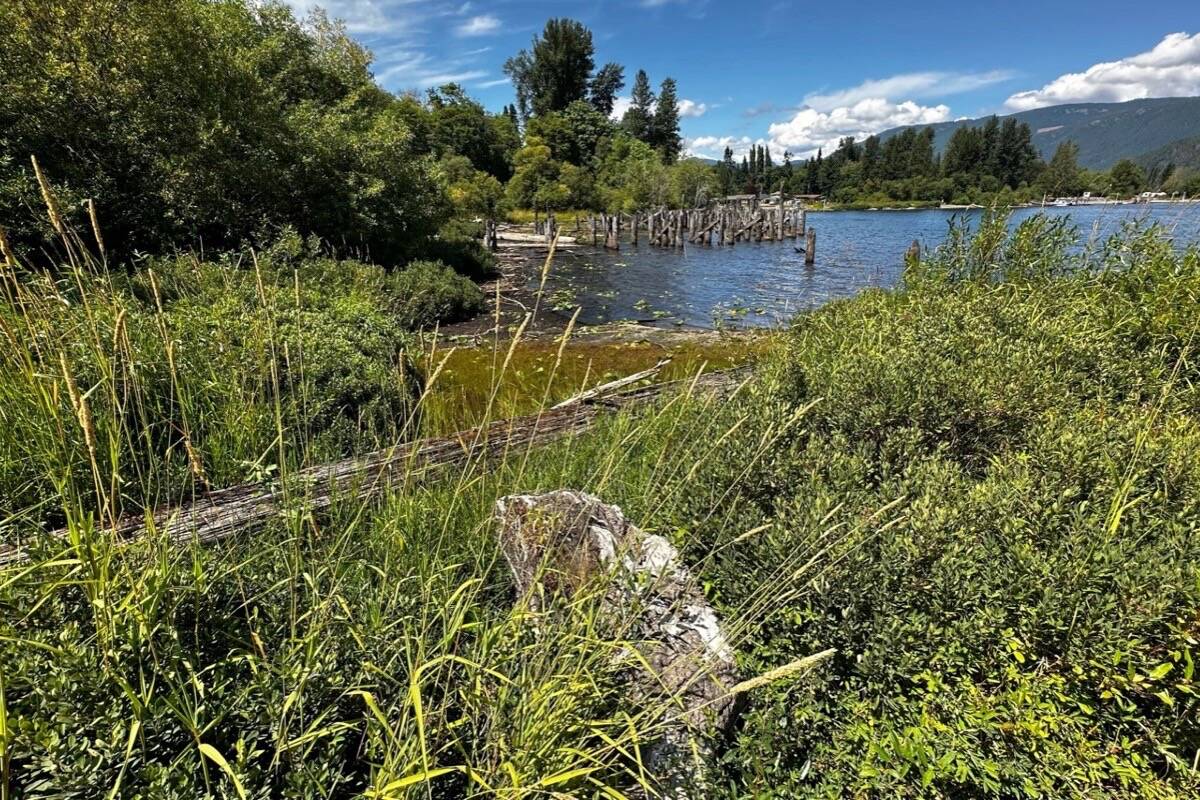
{"points": [[797, 76]]}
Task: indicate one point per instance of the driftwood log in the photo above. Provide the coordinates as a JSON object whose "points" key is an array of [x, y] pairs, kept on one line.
{"points": [[558, 542], [226, 512]]}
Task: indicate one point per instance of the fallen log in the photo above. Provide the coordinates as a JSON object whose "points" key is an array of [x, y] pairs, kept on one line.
{"points": [[226, 512]]}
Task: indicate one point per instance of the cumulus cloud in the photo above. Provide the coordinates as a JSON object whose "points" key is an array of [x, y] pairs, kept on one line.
{"points": [[479, 26], [687, 108], [912, 85], [620, 106], [1170, 69], [714, 146], [810, 129]]}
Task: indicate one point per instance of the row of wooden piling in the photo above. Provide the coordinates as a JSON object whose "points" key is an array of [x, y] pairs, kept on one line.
{"points": [[721, 224]]}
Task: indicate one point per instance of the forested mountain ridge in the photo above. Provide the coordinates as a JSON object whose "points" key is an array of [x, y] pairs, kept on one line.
{"points": [[1104, 132], [1180, 153]]}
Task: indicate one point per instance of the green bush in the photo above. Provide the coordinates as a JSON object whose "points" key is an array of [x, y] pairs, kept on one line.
{"points": [[428, 292], [990, 509], [459, 246], [211, 370], [982, 489], [201, 122]]}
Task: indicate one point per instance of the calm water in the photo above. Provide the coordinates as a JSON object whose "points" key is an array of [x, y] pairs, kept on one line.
{"points": [[763, 284]]}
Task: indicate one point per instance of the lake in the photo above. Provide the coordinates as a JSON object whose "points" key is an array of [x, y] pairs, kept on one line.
{"points": [[766, 283]]}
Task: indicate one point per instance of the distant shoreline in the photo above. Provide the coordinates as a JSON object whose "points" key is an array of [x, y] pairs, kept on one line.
{"points": [[978, 207]]}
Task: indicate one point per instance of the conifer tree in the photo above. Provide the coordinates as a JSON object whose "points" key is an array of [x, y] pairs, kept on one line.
{"points": [[870, 158], [1061, 177], [664, 126], [605, 86], [640, 115]]}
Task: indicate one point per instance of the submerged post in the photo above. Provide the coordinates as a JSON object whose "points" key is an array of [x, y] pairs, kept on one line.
{"points": [[810, 247]]}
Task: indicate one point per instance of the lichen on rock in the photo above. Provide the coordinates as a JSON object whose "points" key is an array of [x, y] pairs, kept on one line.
{"points": [[555, 543]]}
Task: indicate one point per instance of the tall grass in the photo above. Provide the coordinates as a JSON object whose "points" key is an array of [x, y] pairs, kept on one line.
{"points": [[981, 491], [375, 649]]}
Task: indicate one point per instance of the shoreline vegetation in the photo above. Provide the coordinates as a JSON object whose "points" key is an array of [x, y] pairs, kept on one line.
{"points": [[949, 529], [975, 496]]}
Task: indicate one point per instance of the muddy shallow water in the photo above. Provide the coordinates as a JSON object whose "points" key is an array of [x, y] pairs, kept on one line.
{"points": [[766, 283]]}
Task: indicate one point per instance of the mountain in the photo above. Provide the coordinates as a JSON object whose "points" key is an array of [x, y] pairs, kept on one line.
{"points": [[1181, 153], [1105, 132]]}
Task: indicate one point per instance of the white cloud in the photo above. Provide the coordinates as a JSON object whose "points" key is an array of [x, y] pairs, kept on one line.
{"points": [[714, 146], [370, 16], [1170, 69], [687, 108], [620, 106], [413, 69], [811, 129], [694, 9], [479, 26], [912, 85], [493, 83]]}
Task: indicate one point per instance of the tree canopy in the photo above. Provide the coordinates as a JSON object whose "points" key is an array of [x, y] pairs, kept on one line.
{"points": [[556, 71], [209, 121]]}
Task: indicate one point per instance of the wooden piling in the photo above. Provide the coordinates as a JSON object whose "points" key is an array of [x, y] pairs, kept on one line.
{"points": [[810, 247]]}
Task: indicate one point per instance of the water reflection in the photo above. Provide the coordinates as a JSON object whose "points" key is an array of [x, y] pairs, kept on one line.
{"points": [[756, 284]]}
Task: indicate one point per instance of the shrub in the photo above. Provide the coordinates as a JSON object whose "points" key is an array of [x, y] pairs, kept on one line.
{"points": [[200, 122], [989, 509], [210, 370], [459, 246], [429, 292]]}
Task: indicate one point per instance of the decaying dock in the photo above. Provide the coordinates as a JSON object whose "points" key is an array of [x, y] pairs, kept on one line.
{"points": [[724, 222]]}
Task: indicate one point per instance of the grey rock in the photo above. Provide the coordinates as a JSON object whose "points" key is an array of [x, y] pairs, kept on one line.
{"points": [[555, 543]]}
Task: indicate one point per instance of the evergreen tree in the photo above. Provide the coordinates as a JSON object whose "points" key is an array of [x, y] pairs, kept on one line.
{"points": [[1018, 158], [665, 123], [870, 158], [989, 148], [965, 152], [639, 117], [1126, 178], [1062, 177], [894, 156], [921, 159], [726, 172], [605, 86], [1159, 175]]}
